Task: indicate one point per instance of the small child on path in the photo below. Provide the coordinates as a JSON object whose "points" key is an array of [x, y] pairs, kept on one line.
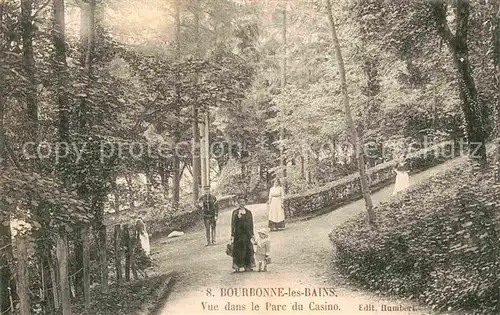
{"points": [[262, 250]]}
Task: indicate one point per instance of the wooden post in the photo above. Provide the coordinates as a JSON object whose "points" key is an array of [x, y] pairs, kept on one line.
{"points": [[118, 255], [62, 257], [22, 275], [86, 270]]}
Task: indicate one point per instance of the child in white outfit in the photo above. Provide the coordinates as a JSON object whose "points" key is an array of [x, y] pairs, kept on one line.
{"points": [[262, 250]]}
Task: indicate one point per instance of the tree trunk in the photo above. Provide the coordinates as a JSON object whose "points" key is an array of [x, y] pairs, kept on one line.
{"points": [[176, 168], [103, 259], [45, 270], [78, 269], [22, 274], [128, 251], [5, 272], [116, 195], [495, 38], [132, 241], [54, 275], [118, 255], [472, 109], [59, 42], [29, 66], [196, 155], [148, 187], [5, 236], [207, 149], [62, 257], [334, 154], [365, 190], [176, 182], [203, 166], [86, 268], [164, 178], [196, 131], [283, 85], [302, 166], [131, 196], [87, 39]]}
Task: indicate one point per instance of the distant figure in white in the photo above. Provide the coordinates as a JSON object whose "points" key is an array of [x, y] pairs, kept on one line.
{"points": [[402, 177], [143, 236], [275, 207]]}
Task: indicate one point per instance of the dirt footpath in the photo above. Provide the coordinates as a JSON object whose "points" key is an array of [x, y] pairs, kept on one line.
{"points": [[301, 266]]}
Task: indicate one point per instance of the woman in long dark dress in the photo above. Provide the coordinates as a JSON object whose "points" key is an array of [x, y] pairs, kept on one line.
{"points": [[242, 237]]}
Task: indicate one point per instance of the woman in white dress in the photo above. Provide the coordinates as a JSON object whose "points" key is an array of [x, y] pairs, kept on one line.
{"points": [[143, 236], [275, 207], [402, 178]]}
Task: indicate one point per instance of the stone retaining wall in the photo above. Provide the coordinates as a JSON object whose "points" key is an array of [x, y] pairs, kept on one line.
{"points": [[338, 193], [184, 219]]}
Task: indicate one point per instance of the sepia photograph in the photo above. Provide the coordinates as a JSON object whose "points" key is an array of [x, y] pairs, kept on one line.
{"points": [[233, 157]]}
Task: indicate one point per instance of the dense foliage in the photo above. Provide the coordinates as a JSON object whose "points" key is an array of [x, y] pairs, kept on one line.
{"points": [[437, 242], [129, 298], [103, 104]]}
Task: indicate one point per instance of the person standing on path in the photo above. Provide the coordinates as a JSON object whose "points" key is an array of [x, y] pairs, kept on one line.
{"points": [[402, 177], [262, 250], [275, 207], [242, 237], [208, 204]]}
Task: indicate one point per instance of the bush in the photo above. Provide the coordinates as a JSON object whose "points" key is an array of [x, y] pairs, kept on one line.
{"points": [[233, 182], [441, 245], [126, 299]]}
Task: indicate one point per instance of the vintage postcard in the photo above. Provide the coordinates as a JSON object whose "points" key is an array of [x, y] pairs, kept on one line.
{"points": [[279, 157]]}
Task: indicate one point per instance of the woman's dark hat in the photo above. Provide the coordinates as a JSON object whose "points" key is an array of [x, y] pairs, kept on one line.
{"points": [[241, 196]]}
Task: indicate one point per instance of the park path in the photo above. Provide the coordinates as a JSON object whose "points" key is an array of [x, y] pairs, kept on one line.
{"points": [[301, 257]]}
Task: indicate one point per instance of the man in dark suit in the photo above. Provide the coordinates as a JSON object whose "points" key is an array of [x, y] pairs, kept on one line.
{"points": [[210, 208]]}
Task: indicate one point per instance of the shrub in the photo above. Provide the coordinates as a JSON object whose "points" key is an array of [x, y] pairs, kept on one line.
{"points": [[438, 242], [233, 182], [126, 299]]}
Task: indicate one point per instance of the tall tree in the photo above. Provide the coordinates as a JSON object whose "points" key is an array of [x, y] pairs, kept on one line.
{"points": [[195, 125], [458, 44], [495, 38], [177, 137], [283, 161], [365, 189], [87, 43], [5, 236], [22, 273], [60, 66], [29, 66]]}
